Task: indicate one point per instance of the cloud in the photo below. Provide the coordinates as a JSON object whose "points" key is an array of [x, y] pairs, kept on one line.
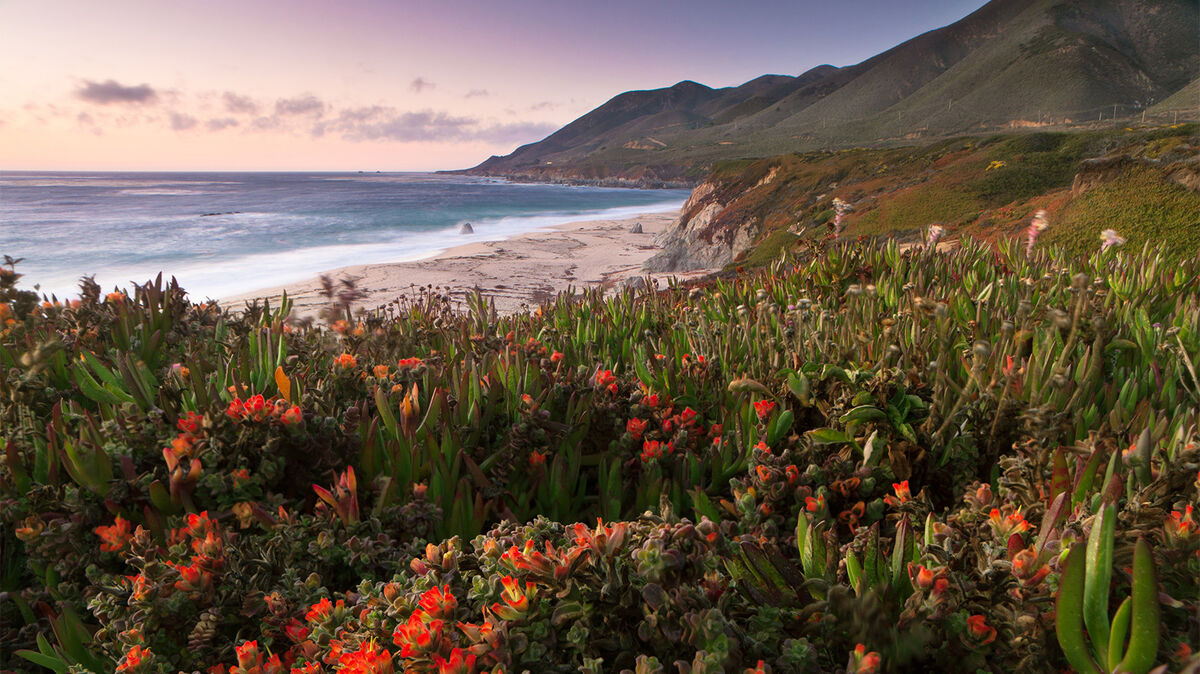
{"points": [[111, 91], [421, 84], [544, 105], [477, 93], [182, 122], [301, 105], [518, 132], [220, 124], [385, 123], [379, 122], [238, 104]]}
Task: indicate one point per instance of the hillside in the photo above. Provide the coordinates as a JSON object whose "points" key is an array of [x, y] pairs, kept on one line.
{"points": [[1143, 182], [1012, 63]]}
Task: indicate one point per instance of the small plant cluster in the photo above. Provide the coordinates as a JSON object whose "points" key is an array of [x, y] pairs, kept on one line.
{"points": [[861, 460]]}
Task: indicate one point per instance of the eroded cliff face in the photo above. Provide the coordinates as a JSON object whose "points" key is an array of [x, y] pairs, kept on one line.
{"points": [[709, 233]]}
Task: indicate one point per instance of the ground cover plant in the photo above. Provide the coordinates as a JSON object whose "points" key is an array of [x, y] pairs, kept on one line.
{"points": [[865, 459]]}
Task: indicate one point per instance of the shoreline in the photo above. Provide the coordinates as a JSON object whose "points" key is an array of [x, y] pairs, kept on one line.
{"points": [[516, 273]]}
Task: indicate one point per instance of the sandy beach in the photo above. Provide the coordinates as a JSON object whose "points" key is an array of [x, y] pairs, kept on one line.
{"points": [[516, 273]]}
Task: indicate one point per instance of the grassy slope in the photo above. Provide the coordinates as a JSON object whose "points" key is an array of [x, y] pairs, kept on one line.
{"points": [[985, 187]]}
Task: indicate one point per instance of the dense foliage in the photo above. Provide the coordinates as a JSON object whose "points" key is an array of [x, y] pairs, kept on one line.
{"points": [[863, 459]]}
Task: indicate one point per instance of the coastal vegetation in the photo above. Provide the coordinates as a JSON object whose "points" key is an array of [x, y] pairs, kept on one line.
{"points": [[1142, 181], [856, 458]]}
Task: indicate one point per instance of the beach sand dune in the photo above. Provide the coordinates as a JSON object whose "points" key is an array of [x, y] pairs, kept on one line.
{"points": [[516, 273]]}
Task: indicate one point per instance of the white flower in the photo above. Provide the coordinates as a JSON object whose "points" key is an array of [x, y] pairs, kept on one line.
{"points": [[934, 233], [1110, 238]]}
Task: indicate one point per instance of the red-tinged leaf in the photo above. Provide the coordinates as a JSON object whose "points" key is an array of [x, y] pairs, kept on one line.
{"points": [[1059, 480]]}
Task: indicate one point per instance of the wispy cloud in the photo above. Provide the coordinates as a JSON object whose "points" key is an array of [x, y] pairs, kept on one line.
{"points": [[111, 91], [220, 124], [301, 105], [477, 93], [238, 104], [544, 105], [421, 84], [379, 122], [182, 122], [385, 123]]}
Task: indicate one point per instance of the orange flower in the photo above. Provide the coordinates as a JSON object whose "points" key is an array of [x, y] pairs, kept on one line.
{"points": [[460, 662], [903, 495], [368, 659], [604, 378], [1007, 525], [537, 459], [406, 363], [437, 602], [380, 371], [556, 356], [793, 473], [116, 536], [132, 662], [345, 361], [764, 473], [319, 611], [865, 662]]}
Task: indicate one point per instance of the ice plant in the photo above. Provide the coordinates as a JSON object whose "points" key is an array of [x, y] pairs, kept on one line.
{"points": [[1006, 525], [344, 498], [863, 661], [1110, 238], [1036, 227], [345, 361]]}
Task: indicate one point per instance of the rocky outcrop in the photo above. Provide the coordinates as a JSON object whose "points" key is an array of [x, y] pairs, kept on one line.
{"points": [[702, 238], [1093, 172]]}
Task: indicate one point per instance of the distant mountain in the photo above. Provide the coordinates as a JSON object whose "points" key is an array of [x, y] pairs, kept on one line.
{"points": [[1014, 63]]}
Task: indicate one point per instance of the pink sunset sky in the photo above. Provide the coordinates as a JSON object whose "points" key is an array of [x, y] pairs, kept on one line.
{"points": [[389, 85]]}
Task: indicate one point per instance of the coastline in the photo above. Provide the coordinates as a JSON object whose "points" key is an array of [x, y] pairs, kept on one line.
{"points": [[515, 273]]}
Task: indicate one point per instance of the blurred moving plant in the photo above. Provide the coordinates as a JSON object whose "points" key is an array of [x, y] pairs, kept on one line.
{"points": [[862, 458]]}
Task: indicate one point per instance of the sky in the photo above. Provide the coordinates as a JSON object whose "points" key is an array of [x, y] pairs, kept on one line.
{"points": [[382, 84]]}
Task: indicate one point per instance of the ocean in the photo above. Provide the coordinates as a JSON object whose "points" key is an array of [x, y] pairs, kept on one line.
{"points": [[224, 234]]}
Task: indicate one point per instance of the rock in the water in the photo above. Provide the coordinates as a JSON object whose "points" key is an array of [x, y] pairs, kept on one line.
{"points": [[637, 228], [466, 228]]}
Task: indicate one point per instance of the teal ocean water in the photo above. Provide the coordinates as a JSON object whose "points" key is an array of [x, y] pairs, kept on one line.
{"points": [[222, 234]]}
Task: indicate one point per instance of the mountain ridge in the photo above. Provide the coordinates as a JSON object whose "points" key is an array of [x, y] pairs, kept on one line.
{"points": [[1020, 63]]}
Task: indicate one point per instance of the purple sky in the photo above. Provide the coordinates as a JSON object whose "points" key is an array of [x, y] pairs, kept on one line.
{"points": [[391, 85]]}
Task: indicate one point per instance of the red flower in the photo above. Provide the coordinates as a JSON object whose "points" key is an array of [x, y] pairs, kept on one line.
{"points": [[688, 416], [292, 416], [612, 388], [764, 473], [190, 423], [636, 427], [556, 356], [864, 662], [651, 449], [537, 459], [1007, 525], [405, 363], [979, 630], [603, 378], [793, 474], [296, 631], [417, 637], [651, 400], [815, 505], [764, 408]]}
